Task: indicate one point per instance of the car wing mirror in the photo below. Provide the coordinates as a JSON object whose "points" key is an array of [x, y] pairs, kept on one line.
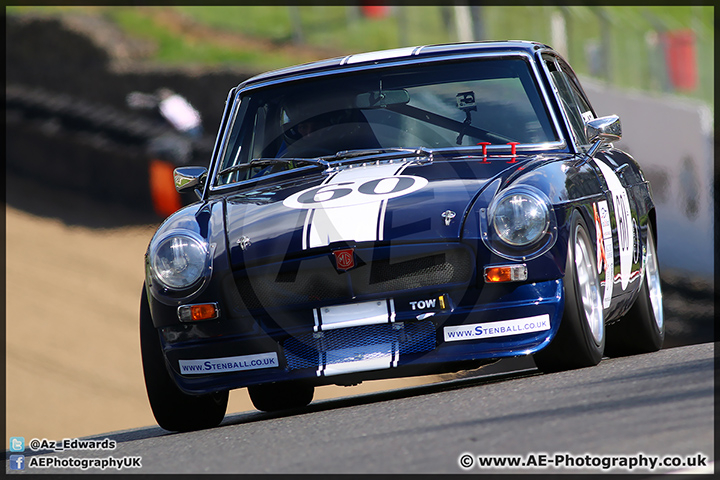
{"points": [[187, 178], [601, 131]]}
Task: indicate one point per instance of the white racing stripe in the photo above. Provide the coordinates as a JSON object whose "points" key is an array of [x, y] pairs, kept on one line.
{"points": [[354, 314], [362, 357], [380, 55], [358, 359], [358, 223], [351, 205], [353, 222]]}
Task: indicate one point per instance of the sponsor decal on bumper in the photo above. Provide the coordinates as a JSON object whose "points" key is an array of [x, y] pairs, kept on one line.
{"points": [[228, 364], [478, 331]]}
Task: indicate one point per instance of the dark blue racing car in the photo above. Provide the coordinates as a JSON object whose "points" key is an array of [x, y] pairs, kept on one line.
{"points": [[397, 213]]}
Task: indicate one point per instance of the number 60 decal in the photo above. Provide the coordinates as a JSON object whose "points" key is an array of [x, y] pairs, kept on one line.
{"points": [[358, 192]]}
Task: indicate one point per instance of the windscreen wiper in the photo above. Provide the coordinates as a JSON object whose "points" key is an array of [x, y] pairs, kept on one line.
{"points": [[399, 151], [260, 162]]}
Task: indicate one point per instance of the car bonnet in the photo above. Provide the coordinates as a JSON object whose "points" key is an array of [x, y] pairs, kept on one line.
{"points": [[406, 201]]}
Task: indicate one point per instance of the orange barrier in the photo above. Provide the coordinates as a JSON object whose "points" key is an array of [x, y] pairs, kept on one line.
{"points": [[166, 200]]}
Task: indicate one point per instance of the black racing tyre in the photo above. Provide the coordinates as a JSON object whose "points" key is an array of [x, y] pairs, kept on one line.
{"points": [[273, 397], [580, 341], [642, 328], [173, 410]]}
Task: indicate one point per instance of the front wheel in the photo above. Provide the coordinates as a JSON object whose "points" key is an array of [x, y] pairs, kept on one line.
{"points": [[173, 409], [642, 328], [580, 341]]}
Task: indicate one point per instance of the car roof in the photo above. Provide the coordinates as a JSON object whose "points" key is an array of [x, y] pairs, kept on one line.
{"points": [[393, 55]]}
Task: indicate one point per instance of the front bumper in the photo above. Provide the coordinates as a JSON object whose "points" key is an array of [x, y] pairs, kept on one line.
{"points": [[501, 321]]}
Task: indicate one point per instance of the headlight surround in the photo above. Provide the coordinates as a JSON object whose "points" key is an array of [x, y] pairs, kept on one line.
{"points": [[180, 260], [519, 223]]}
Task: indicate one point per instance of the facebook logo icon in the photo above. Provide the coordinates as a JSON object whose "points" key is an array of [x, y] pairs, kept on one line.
{"points": [[17, 462]]}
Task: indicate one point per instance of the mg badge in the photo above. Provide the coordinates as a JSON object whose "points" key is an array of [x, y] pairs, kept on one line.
{"points": [[344, 259]]}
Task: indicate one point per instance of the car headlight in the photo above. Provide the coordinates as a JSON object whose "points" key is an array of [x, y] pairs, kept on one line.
{"points": [[519, 223], [180, 260], [520, 218]]}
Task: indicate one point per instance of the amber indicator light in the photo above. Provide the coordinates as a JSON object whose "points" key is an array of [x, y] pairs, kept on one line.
{"points": [[505, 273], [203, 312], [194, 313]]}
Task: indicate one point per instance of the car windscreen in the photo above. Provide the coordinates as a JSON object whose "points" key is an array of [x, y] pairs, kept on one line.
{"points": [[438, 105]]}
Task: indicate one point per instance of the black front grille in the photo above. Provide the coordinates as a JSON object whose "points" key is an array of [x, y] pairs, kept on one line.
{"points": [[452, 266], [315, 279], [270, 290], [310, 350]]}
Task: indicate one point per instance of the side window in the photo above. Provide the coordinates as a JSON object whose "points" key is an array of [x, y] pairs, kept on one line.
{"points": [[586, 111], [576, 108]]}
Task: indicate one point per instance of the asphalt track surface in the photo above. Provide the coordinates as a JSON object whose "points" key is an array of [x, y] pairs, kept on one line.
{"points": [[651, 405]]}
